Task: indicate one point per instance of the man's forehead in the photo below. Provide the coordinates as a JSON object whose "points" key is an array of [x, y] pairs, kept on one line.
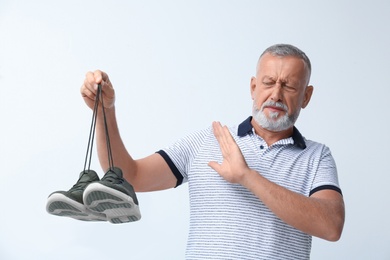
{"points": [[271, 66]]}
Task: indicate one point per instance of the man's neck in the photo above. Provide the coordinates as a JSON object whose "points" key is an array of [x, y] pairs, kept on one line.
{"points": [[271, 137]]}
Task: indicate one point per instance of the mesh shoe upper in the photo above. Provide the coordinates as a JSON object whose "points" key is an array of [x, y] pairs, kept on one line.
{"points": [[114, 197], [114, 179], [85, 178]]}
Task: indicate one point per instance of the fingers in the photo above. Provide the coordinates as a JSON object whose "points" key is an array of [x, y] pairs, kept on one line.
{"points": [[218, 131], [92, 79], [233, 166], [89, 88], [223, 137], [219, 135]]}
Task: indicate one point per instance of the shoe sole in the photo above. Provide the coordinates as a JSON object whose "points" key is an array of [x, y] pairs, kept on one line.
{"points": [[115, 205], [60, 205]]}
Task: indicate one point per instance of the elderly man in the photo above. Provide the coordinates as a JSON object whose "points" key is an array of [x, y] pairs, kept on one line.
{"points": [[258, 190]]}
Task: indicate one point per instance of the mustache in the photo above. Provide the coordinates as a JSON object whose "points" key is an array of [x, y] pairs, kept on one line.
{"points": [[274, 104]]}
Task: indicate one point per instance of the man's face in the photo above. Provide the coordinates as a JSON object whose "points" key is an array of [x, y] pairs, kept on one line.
{"points": [[279, 91]]}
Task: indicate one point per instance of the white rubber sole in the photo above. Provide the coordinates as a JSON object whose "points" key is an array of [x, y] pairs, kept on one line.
{"points": [[60, 205], [115, 205]]}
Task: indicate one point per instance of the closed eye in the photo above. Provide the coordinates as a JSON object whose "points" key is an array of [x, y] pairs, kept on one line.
{"points": [[268, 83], [289, 88]]}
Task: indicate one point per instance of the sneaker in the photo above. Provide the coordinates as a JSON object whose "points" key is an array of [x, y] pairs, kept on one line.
{"points": [[70, 203], [114, 197]]}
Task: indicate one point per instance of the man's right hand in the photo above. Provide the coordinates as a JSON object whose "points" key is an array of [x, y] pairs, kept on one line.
{"points": [[89, 89]]}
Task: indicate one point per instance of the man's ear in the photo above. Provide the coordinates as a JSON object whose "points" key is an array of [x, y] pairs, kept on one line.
{"points": [[253, 86], [308, 92]]}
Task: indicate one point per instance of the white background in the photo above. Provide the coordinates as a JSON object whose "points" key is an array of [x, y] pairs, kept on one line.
{"points": [[177, 66]]}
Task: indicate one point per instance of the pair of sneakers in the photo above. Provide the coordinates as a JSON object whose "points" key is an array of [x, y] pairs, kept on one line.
{"points": [[110, 199]]}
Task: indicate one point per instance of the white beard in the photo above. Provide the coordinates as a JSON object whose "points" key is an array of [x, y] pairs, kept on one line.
{"points": [[273, 123]]}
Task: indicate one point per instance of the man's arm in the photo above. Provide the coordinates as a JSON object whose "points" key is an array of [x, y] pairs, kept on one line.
{"points": [[147, 174], [321, 215]]}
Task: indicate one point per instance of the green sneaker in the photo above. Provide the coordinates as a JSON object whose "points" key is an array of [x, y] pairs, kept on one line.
{"points": [[70, 203], [114, 197]]}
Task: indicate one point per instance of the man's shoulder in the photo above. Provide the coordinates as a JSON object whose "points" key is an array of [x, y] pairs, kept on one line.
{"points": [[317, 147]]}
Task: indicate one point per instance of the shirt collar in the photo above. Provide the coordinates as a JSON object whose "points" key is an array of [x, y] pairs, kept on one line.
{"points": [[246, 128]]}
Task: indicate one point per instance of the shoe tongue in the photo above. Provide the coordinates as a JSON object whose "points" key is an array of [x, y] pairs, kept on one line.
{"points": [[85, 175], [116, 171]]}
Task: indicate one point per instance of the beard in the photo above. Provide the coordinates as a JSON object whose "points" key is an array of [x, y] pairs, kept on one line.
{"points": [[273, 123]]}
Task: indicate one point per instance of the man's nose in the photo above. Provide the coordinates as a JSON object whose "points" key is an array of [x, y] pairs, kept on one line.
{"points": [[277, 93]]}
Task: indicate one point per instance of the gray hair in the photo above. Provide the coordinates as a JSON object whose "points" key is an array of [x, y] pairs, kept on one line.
{"points": [[283, 50]]}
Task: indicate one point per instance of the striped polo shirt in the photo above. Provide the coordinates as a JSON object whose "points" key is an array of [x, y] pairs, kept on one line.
{"points": [[227, 221]]}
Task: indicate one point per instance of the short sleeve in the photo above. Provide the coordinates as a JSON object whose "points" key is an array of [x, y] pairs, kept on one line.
{"points": [[180, 155], [326, 176]]}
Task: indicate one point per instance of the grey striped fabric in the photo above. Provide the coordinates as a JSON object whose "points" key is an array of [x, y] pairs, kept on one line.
{"points": [[226, 220]]}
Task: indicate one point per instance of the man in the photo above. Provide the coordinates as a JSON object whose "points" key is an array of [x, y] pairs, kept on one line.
{"points": [[257, 191]]}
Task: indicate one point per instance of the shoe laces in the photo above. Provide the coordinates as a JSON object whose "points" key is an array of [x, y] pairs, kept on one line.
{"points": [[113, 178], [81, 183], [88, 156]]}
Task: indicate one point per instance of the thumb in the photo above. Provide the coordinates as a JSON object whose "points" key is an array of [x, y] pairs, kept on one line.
{"points": [[215, 166]]}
